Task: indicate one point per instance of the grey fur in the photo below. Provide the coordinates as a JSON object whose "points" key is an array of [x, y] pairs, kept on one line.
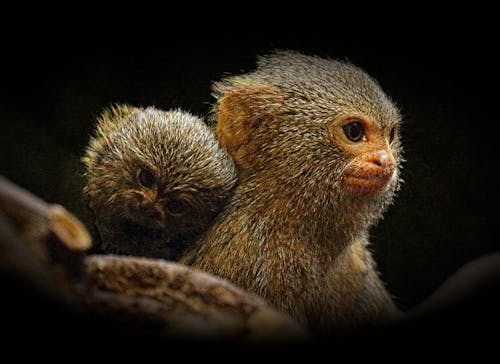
{"points": [[185, 157], [290, 232]]}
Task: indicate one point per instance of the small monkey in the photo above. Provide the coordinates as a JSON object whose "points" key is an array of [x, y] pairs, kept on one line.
{"points": [[155, 180], [317, 146]]}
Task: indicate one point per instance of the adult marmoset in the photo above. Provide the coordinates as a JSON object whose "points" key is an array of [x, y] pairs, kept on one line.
{"points": [[317, 147], [155, 180]]}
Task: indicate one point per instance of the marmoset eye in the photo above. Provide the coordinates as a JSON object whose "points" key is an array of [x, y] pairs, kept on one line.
{"points": [[354, 131], [392, 135], [146, 177], [177, 207]]}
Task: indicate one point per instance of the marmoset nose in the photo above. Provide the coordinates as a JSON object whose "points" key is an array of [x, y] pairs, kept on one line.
{"points": [[148, 213], [152, 211], [382, 158]]}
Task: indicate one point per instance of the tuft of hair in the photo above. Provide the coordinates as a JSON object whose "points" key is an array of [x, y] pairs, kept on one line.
{"points": [[311, 86], [182, 153], [176, 142]]}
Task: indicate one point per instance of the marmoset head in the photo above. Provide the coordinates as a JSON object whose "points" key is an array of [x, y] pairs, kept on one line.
{"points": [[320, 127], [155, 180]]}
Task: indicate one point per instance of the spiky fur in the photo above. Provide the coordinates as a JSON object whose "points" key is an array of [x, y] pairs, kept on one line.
{"points": [[290, 232], [186, 158]]}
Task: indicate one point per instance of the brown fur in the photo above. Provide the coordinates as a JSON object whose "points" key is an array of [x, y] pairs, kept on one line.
{"points": [[188, 165], [292, 232]]}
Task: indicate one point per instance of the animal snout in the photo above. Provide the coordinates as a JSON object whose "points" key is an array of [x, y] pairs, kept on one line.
{"points": [[147, 213]]}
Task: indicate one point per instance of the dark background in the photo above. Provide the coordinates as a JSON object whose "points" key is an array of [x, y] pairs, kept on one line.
{"points": [[52, 91]]}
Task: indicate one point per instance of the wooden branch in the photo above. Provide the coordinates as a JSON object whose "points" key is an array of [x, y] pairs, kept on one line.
{"points": [[20, 261], [183, 300], [40, 244], [45, 244], [27, 210]]}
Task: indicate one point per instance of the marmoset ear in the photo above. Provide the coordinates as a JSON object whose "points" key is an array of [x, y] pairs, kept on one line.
{"points": [[239, 113]]}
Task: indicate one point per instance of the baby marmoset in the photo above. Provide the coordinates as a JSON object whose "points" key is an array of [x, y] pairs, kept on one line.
{"points": [[317, 147], [155, 180]]}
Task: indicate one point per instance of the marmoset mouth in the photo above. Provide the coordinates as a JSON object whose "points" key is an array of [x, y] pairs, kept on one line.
{"points": [[367, 183], [142, 232]]}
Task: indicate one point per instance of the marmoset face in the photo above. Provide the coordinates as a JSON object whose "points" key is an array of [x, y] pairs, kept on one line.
{"points": [[157, 181]]}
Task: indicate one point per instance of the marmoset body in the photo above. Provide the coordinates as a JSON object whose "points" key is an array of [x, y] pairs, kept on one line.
{"points": [[317, 146]]}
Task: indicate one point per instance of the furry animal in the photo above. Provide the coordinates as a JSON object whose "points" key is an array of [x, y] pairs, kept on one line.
{"points": [[317, 147], [155, 180]]}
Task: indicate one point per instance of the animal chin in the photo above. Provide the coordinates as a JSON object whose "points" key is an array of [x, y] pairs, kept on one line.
{"points": [[141, 232]]}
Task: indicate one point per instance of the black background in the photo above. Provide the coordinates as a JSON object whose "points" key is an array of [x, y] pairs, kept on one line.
{"points": [[444, 83]]}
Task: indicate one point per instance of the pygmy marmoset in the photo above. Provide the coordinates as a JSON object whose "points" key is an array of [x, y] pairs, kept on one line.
{"points": [[317, 146], [155, 180]]}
